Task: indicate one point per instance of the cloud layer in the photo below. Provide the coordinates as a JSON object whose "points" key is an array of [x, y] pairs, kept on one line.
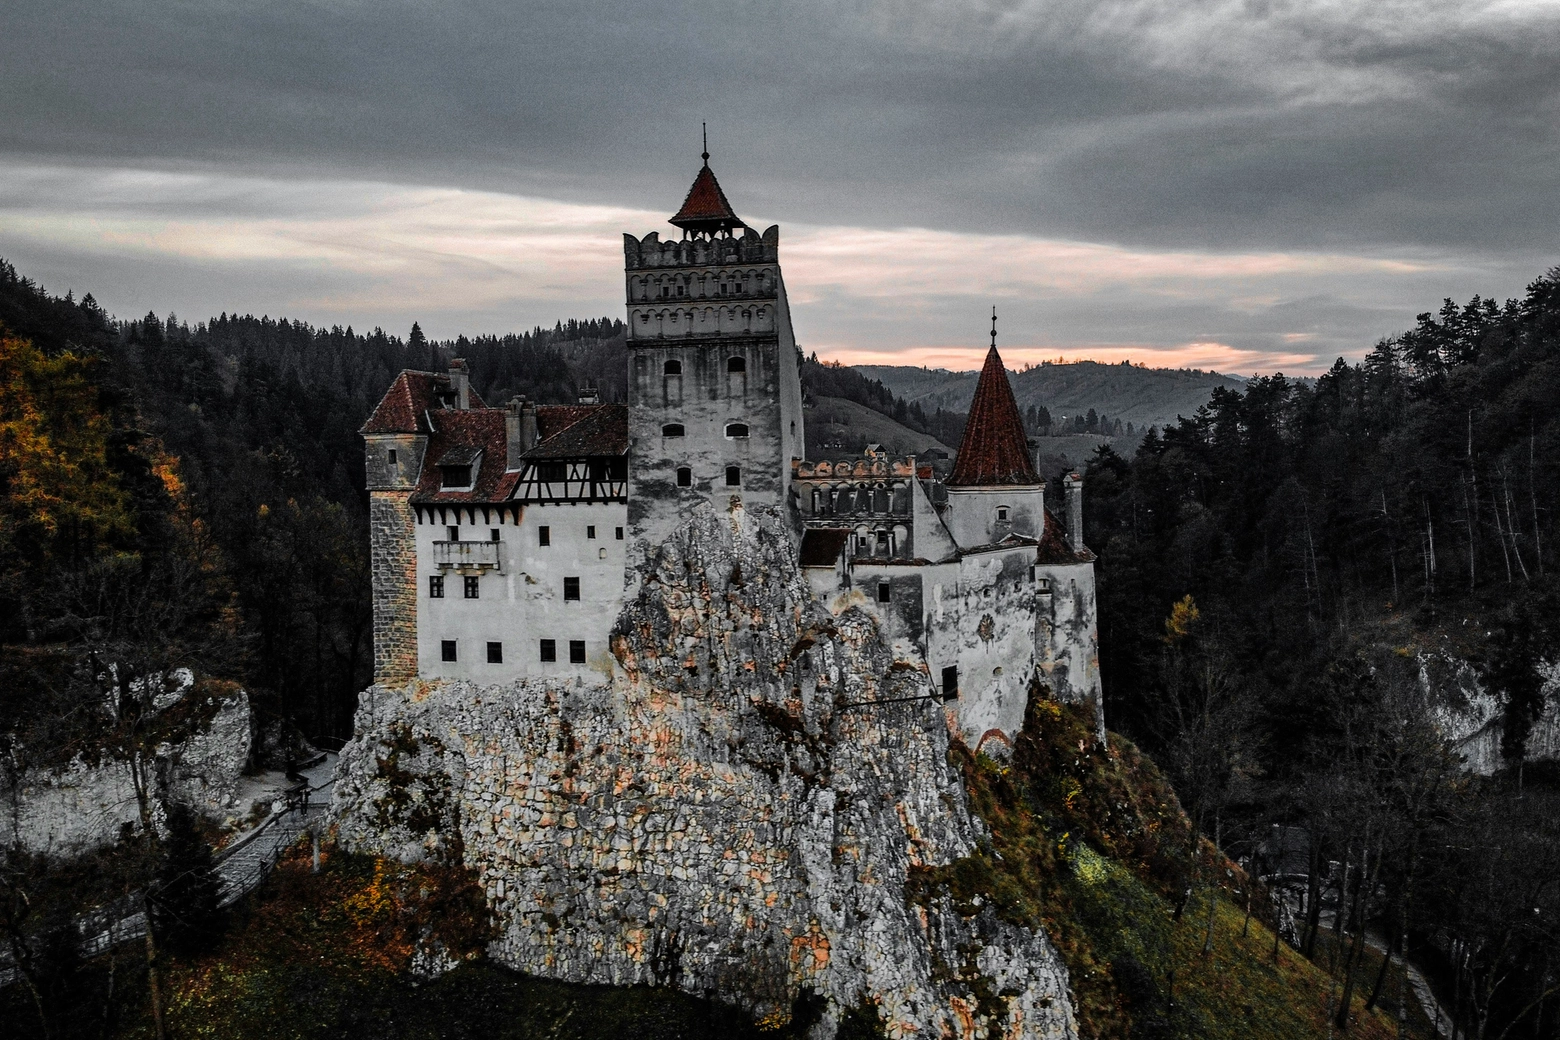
{"points": [[1273, 179]]}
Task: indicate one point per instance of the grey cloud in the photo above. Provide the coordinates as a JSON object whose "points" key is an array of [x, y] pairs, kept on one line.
{"points": [[1131, 122]]}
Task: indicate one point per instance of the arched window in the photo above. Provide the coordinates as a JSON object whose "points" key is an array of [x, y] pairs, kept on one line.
{"points": [[672, 368], [733, 476], [736, 429], [672, 430], [736, 364], [684, 476]]}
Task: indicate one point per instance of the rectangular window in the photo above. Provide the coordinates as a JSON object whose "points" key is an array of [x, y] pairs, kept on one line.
{"points": [[544, 535], [392, 456], [549, 650], [447, 649], [571, 588], [473, 586], [885, 592], [733, 476], [619, 534], [495, 653], [950, 683], [576, 651], [684, 477], [452, 533], [435, 586], [493, 534], [590, 530]]}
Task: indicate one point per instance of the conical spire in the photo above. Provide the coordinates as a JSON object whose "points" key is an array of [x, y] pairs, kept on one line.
{"points": [[706, 209], [994, 450]]}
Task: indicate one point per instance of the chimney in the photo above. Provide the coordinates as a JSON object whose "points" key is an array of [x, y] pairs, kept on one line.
{"points": [[527, 424], [512, 433], [1072, 491], [460, 383]]}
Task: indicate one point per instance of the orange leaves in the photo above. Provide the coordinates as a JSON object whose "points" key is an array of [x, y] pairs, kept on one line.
{"points": [[54, 470]]}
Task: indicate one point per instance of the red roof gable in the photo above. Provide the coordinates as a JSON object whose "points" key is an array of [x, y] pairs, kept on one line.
{"points": [[476, 429], [706, 208], [405, 405], [994, 450]]}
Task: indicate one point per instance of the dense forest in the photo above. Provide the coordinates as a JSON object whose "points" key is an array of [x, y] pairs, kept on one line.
{"points": [[1296, 582], [1299, 582]]}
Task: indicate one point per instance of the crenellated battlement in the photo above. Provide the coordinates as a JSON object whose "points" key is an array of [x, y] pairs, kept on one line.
{"points": [[702, 250]]}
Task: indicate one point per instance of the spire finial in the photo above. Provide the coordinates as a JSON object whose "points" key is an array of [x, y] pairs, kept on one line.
{"points": [[993, 328], [706, 131]]}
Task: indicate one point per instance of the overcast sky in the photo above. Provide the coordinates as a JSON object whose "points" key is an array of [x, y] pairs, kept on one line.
{"points": [[1254, 185]]}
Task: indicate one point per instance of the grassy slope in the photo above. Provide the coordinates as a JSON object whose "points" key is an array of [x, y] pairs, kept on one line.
{"points": [[835, 421], [1092, 846]]}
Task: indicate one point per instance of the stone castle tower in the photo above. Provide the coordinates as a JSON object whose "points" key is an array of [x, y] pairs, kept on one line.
{"points": [[715, 399]]}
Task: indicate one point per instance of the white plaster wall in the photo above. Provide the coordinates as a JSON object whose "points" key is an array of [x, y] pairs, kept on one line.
{"points": [[972, 513], [523, 603]]}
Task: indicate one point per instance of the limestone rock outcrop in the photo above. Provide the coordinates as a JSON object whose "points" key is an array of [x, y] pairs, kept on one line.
{"points": [[735, 813]]}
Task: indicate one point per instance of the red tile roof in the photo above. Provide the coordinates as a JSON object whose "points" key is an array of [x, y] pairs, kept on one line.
{"points": [[994, 450], [1054, 547], [603, 430], [706, 208], [405, 405], [454, 435]]}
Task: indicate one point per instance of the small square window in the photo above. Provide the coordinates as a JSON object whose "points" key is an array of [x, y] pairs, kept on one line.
{"points": [[549, 650], [493, 534], [473, 586], [684, 477], [733, 476], [618, 533], [576, 651], [391, 457], [495, 653], [447, 649], [544, 535], [590, 530], [571, 588], [435, 586], [885, 592], [452, 533], [1002, 514]]}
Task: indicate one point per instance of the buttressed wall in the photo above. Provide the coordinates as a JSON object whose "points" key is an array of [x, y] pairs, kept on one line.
{"points": [[731, 815]]}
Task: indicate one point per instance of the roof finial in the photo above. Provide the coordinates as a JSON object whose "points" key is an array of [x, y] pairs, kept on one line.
{"points": [[706, 129], [993, 328]]}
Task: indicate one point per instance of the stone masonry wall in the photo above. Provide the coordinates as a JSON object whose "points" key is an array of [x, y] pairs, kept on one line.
{"points": [[731, 814], [393, 563]]}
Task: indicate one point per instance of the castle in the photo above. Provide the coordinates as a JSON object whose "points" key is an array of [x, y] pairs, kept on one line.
{"points": [[505, 541]]}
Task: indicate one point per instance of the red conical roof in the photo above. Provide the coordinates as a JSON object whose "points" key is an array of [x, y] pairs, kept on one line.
{"points": [[994, 449], [706, 208]]}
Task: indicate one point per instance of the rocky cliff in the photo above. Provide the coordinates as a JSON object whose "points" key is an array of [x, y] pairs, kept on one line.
{"points": [[735, 814]]}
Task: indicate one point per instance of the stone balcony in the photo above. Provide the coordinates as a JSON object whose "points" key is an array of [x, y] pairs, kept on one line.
{"points": [[464, 556]]}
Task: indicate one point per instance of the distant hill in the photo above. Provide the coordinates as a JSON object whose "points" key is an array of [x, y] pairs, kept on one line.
{"points": [[1141, 396], [834, 424]]}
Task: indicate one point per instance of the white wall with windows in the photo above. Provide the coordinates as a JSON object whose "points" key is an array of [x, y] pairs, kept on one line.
{"points": [[488, 598]]}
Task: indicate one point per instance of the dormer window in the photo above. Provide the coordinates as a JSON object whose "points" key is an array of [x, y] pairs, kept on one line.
{"points": [[458, 468], [391, 457], [736, 429]]}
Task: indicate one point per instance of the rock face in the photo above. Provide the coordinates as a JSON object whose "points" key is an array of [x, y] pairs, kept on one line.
{"points": [[731, 815], [88, 804]]}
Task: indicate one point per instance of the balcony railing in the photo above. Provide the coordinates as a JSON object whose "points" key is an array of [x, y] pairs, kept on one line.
{"points": [[468, 555]]}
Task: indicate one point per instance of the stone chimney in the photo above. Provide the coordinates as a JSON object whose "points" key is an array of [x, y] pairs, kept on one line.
{"points": [[519, 429], [1072, 492], [460, 383]]}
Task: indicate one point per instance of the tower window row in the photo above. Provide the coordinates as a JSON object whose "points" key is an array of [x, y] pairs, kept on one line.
{"points": [[673, 367], [723, 283]]}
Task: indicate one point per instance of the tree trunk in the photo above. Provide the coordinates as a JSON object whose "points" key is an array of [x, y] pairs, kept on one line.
{"points": [[154, 979]]}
